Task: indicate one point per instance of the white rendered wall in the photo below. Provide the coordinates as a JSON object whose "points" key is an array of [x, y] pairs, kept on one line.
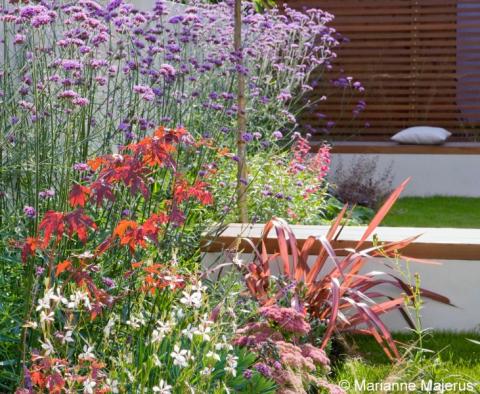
{"points": [[457, 280], [454, 175]]}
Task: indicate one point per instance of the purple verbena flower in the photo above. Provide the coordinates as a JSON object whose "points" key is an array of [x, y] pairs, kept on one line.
{"points": [[29, 212], [71, 64], [81, 167], [263, 369], [145, 92], [247, 137], [247, 374], [110, 283], [39, 270], [277, 135]]}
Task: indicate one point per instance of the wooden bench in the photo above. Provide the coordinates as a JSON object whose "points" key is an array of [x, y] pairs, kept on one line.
{"points": [[387, 147], [434, 243]]}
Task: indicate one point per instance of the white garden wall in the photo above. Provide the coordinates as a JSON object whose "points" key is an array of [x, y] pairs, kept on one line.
{"points": [[454, 175]]}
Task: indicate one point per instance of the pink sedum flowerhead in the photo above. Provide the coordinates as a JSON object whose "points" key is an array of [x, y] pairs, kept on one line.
{"points": [[318, 356], [287, 318]]}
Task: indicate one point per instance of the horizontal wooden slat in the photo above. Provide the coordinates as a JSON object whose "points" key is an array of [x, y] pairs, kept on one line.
{"points": [[450, 148], [432, 243], [419, 62]]}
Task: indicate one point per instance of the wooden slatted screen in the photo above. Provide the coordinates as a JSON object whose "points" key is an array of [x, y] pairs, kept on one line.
{"points": [[419, 61]]}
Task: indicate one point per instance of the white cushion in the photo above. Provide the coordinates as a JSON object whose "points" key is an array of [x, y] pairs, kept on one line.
{"points": [[422, 135]]}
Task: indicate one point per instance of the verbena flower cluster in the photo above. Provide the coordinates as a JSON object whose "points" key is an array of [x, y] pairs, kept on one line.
{"points": [[83, 77]]}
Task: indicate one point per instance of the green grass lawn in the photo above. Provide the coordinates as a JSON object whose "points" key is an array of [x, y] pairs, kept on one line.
{"points": [[438, 211], [451, 358]]}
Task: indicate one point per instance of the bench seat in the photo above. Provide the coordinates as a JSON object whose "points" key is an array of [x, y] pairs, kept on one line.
{"points": [[389, 147], [434, 243]]}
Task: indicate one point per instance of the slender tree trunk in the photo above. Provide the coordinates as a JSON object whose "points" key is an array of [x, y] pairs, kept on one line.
{"points": [[241, 116]]}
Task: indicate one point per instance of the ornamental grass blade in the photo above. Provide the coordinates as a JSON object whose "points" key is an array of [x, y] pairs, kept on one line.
{"points": [[423, 292], [302, 269], [386, 335], [382, 212], [375, 323], [322, 255], [331, 253], [283, 249], [335, 306], [379, 250]]}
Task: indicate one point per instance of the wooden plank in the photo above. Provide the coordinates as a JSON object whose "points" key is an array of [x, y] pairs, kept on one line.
{"points": [[406, 55], [449, 148], [433, 243]]}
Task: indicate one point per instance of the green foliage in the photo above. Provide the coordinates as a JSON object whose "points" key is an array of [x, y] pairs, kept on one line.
{"points": [[274, 190]]}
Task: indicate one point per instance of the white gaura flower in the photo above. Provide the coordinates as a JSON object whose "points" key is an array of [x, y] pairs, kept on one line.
{"points": [[161, 329], [156, 361], [204, 330], [162, 388], [108, 327], [85, 255], [231, 365], [173, 281], [89, 386], [113, 385], [189, 331], [237, 261], [206, 371], [198, 287], [43, 303], [76, 299], [67, 337], [136, 322], [223, 344], [177, 313], [180, 356], [44, 317], [31, 324], [47, 347], [213, 355], [87, 352], [192, 299]]}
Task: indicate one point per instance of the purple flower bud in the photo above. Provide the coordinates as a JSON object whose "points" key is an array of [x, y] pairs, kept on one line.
{"points": [[39, 270], [176, 19], [277, 134], [29, 212], [247, 374], [44, 194], [108, 282], [247, 137], [263, 369], [81, 167]]}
